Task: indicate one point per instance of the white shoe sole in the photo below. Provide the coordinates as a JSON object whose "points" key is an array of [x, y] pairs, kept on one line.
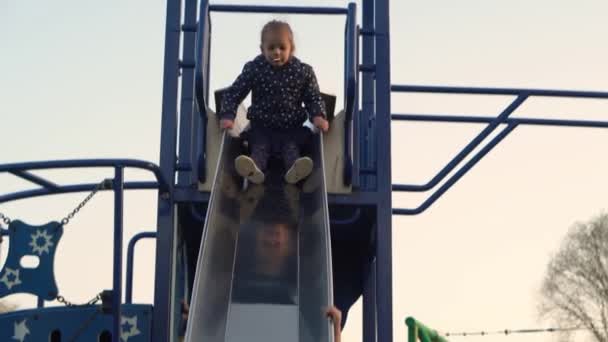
{"points": [[300, 169], [246, 168]]}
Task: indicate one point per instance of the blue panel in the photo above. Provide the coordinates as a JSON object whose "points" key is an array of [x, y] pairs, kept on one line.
{"points": [[26, 240], [78, 324]]}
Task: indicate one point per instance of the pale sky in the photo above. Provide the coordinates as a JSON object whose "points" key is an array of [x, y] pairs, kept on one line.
{"points": [[80, 80]]}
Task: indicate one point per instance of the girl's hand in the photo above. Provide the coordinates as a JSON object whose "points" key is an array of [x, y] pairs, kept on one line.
{"points": [[185, 310], [335, 315], [321, 123], [226, 123], [336, 318]]}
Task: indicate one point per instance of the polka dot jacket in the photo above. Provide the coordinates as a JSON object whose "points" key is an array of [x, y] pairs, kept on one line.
{"points": [[282, 97]]}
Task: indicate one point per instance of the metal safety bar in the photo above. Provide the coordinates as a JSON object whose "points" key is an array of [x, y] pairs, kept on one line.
{"points": [[351, 87], [489, 119], [493, 123], [400, 88], [278, 9], [130, 256]]}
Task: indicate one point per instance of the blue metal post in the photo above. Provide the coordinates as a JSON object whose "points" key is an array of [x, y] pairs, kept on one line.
{"points": [[201, 88], [384, 277], [117, 277], [369, 305], [366, 135], [163, 293], [130, 257], [187, 95], [367, 156]]}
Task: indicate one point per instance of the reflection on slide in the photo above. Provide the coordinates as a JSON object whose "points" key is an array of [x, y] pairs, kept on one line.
{"points": [[264, 268]]}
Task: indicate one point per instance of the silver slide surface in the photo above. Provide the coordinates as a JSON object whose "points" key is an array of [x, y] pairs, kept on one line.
{"points": [[264, 267]]}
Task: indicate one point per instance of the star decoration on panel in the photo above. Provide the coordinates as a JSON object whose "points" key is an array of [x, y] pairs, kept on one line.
{"points": [[41, 242], [10, 278], [36, 241], [21, 330], [128, 328]]}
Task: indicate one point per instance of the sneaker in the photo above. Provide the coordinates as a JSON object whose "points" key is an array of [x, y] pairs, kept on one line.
{"points": [[246, 168], [300, 169]]}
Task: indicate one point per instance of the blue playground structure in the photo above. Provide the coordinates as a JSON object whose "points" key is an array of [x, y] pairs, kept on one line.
{"points": [[207, 221]]}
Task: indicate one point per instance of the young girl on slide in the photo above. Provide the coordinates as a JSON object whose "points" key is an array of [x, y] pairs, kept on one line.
{"points": [[280, 83]]}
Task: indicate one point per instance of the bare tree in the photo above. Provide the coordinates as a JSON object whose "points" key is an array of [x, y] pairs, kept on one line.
{"points": [[575, 288]]}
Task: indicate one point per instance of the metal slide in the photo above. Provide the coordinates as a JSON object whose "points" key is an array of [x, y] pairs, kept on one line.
{"points": [[264, 268]]}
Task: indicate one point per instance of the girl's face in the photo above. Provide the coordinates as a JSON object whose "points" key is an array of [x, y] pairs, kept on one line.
{"points": [[276, 47], [273, 247]]}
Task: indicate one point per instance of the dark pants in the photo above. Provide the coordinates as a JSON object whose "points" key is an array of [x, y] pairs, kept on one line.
{"points": [[285, 144]]}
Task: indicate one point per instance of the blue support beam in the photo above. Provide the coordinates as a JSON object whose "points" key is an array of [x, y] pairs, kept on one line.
{"points": [[201, 89], [117, 270], [35, 179], [384, 276], [65, 189], [90, 163], [491, 127], [497, 91], [165, 268], [369, 305], [488, 119], [186, 127], [51, 188], [368, 87], [456, 177], [366, 157], [492, 124]]}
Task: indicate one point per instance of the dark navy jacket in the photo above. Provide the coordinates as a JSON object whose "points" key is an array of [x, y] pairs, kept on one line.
{"points": [[282, 97]]}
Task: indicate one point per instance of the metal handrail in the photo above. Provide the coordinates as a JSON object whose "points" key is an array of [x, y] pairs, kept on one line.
{"points": [[488, 119], [350, 89], [72, 188], [201, 83], [493, 123], [277, 9], [130, 257], [49, 188], [461, 172], [402, 88]]}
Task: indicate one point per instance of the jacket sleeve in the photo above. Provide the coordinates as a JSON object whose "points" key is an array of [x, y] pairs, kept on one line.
{"points": [[237, 92], [313, 102]]}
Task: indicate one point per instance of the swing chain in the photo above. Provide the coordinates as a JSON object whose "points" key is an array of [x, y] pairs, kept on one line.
{"points": [[105, 184], [65, 302]]}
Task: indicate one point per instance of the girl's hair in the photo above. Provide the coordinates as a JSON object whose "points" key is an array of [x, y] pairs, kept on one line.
{"points": [[277, 25]]}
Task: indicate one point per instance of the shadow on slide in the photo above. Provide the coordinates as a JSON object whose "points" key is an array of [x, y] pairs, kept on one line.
{"points": [[264, 268]]}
